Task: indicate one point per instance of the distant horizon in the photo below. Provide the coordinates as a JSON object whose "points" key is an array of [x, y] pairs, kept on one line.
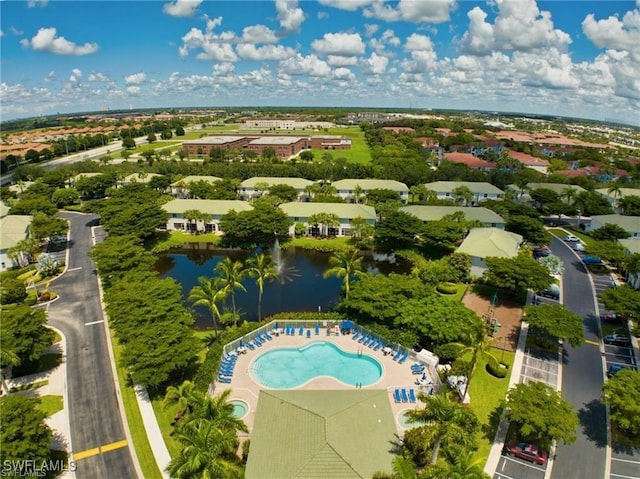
{"points": [[541, 57]]}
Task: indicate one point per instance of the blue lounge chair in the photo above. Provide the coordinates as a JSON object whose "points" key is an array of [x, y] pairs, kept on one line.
{"points": [[397, 355], [317, 330], [396, 395], [405, 398], [403, 358], [308, 333], [363, 338], [356, 335], [250, 346], [378, 346], [268, 336], [257, 344], [412, 395]]}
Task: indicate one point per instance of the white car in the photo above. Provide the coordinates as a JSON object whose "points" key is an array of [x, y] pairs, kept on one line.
{"points": [[571, 238], [578, 246]]}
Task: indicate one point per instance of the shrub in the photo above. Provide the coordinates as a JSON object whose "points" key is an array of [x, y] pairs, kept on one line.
{"points": [[44, 297], [448, 352], [12, 291], [496, 369], [447, 288]]}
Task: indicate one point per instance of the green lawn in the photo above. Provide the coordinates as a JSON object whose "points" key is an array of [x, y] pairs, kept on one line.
{"points": [[177, 239], [151, 146], [165, 418], [325, 244], [136, 426], [27, 387], [486, 393], [51, 404], [562, 232], [462, 288]]}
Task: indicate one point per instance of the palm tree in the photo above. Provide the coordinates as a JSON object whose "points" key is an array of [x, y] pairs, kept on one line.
{"points": [[230, 276], [345, 264], [615, 190], [182, 396], [208, 453], [448, 423], [403, 468], [458, 464], [569, 193], [262, 269], [208, 294], [357, 193], [217, 410]]}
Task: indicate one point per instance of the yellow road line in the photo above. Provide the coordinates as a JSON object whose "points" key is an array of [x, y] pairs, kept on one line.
{"points": [[595, 343], [114, 445], [87, 453]]}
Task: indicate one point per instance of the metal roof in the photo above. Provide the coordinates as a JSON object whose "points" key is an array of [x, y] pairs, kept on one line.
{"points": [[298, 183], [299, 209], [13, 229], [474, 186], [485, 242], [211, 207], [336, 434], [194, 178], [276, 140], [434, 213], [369, 184], [631, 224]]}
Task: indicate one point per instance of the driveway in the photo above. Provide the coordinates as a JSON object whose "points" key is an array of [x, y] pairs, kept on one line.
{"points": [[582, 377], [98, 438]]}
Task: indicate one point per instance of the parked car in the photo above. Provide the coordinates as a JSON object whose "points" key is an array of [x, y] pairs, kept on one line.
{"points": [[617, 339], [552, 292], [571, 239], [591, 260], [613, 318], [528, 452], [614, 368], [578, 246], [541, 252]]}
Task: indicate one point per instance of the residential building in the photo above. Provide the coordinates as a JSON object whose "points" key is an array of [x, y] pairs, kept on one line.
{"points": [[614, 197], [559, 188], [300, 212], [136, 178], [256, 186], [286, 124], [329, 142], [470, 160], [482, 243], [427, 214], [631, 246], [481, 190], [529, 161], [13, 229], [180, 188], [631, 224], [347, 188], [216, 209]]}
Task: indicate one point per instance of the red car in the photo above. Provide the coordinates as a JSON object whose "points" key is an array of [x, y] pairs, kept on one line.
{"points": [[528, 452]]}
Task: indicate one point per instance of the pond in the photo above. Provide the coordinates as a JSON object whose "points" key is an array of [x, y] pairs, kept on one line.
{"points": [[302, 287]]}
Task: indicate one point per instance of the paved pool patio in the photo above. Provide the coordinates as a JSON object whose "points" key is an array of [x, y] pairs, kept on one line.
{"points": [[394, 375]]}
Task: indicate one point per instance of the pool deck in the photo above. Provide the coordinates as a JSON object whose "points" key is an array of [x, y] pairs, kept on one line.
{"points": [[394, 375]]}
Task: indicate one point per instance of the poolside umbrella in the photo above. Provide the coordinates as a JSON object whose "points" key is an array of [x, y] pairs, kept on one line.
{"points": [[317, 329], [347, 325]]}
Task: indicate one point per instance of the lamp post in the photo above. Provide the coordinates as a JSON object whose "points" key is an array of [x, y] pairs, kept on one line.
{"points": [[579, 213]]}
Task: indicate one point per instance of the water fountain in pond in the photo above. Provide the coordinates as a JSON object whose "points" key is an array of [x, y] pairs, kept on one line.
{"points": [[285, 273]]}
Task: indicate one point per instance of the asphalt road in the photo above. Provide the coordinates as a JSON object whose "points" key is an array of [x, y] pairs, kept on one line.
{"points": [[582, 377], [93, 408]]}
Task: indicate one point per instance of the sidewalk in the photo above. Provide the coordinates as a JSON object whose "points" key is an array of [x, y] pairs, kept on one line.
{"points": [[58, 422], [159, 448]]}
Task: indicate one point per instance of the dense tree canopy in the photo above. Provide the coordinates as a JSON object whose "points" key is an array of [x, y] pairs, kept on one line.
{"points": [[557, 321], [531, 229], [45, 226], [119, 255], [609, 232], [517, 274], [623, 300], [622, 395], [397, 230], [541, 414], [254, 227], [23, 328]]}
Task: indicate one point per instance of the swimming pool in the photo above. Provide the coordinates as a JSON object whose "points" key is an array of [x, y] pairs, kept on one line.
{"points": [[285, 368], [240, 408]]}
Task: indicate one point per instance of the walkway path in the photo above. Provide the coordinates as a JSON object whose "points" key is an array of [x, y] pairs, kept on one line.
{"points": [[151, 426]]}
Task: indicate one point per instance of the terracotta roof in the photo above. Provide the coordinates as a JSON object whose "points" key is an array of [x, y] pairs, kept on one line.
{"points": [[527, 159], [469, 160]]}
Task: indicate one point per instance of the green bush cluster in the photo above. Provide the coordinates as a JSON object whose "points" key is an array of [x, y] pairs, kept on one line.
{"points": [[496, 369], [447, 288]]}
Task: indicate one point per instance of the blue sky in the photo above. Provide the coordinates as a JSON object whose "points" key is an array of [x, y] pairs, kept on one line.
{"points": [[573, 58]]}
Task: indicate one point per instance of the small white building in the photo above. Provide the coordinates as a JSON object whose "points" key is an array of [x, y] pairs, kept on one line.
{"points": [[254, 187], [481, 190], [483, 243], [631, 224], [613, 197], [136, 178], [426, 214], [13, 229], [214, 209], [346, 212], [347, 188], [631, 246]]}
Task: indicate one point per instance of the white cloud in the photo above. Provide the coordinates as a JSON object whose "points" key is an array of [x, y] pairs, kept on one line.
{"points": [[258, 34], [37, 3], [390, 38], [436, 11], [375, 64], [46, 41], [338, 61], [343, 73], [50, 77], [350, 5], [614, 33], [322, 15], [134, 90], [415, 41], [98, 77], [76, 74], [305, 65], [181, 8], [290, 15], [371, 29], [135, 78], [339, 44], [213, 23], [14, 31], [519, 26], [423, 57], [1, 33], [214, 47], [223, 69], [264, 53]]}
